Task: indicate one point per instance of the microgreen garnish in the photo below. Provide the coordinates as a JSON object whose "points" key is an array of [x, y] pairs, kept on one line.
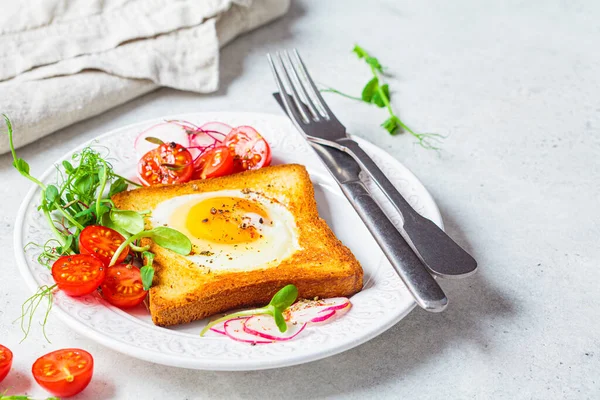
{"points": [[378, 94], [163, 236], [77, 199], [30, 306], [278, 304], [147, 271]]}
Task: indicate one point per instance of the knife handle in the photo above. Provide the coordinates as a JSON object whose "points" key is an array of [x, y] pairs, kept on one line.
{"points": [[426, 291], [442, 255]]}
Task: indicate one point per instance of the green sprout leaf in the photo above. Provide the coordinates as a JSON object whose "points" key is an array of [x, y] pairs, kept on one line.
{"points": [[147, 271], [117, 186], [51, 193], [163, 236], [154, 140], [360, 52], [284, 297], [380, 100], [370, 90], [68, 167], [171, 239], [129, 221]]}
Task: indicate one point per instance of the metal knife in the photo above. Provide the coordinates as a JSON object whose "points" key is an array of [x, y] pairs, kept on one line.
{"points": [[422, 285], [440, 254]]}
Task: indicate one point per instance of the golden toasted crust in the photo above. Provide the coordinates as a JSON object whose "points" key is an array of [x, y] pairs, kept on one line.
{"points": [[183, 292]]}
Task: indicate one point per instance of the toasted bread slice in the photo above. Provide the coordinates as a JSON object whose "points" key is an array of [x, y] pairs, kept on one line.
{"points": [[183, 292]]}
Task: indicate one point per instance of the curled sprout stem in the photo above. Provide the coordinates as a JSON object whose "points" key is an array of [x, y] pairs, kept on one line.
{"points": [[30, 306]]}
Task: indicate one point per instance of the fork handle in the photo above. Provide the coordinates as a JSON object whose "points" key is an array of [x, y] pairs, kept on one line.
{"points": [[425, 290], [442, 255]]}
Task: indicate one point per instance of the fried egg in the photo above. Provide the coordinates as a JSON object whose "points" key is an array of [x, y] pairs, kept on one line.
{"points": [[231, 229]]}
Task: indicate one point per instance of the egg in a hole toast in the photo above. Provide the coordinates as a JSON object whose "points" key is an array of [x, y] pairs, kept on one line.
{"points": [[252, 233]]}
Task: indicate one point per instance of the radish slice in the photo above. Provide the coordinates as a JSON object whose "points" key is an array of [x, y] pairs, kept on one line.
{"points": [[265, 327], [219, 328], [209, 135], [310, 315], [234, 328], [342, 311], [166, 131], [218, 127], [315, 310]]}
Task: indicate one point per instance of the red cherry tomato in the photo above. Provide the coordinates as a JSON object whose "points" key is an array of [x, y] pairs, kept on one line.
{"points": [[101, 242], [65, 372], [249, 149], [6, 357], [123, 286], [168, 163], [213, 163], [79, 274]]}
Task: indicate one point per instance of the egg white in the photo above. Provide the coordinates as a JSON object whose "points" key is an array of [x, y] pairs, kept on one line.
{"points": [[279, 237]]}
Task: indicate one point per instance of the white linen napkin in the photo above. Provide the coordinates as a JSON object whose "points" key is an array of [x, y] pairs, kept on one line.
{"points": [[62, 61]]}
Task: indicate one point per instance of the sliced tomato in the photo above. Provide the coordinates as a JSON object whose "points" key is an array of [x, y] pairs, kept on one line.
{"points": [[101, 242], [79, 274], [167, 164], [249, 149], [213, 163], [65, 372], [6, 358], [123, 286]]}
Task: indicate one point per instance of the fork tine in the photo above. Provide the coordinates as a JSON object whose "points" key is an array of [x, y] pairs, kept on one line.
{"points": [[294, 93], [313, 88], [308, 103], [291, 110]]}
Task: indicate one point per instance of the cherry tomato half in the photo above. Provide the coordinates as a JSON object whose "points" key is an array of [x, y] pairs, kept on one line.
{"points": [[249, 149], [168, 163], [101, 242], [79, 274], [6, 357], [65, 372], [213, 163], [123, 286]]}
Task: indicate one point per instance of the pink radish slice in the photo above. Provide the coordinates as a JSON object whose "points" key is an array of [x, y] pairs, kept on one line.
{"points": [[341, 311], [219, 127], [219, 328], [265, 327], [234, 328], [209, 134], [305, 310], [311, 315], [166, 131]]}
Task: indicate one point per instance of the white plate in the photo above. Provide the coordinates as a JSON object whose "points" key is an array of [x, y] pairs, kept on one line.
{"points": [[383, 301]]}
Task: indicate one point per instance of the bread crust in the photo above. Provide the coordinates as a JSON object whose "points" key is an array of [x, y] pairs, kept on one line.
{"points": [[183, 292]]}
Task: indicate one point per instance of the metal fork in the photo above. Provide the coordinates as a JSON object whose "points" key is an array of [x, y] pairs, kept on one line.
{"points": [[313, 117]]}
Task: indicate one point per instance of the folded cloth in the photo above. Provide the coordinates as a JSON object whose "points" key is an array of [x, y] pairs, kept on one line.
{"points": [[64, 61]]}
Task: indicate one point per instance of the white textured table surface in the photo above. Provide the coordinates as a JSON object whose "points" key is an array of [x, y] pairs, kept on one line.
{"points": [[516, 86]]}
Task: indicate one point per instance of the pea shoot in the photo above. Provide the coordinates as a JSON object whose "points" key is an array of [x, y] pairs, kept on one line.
{"points": [[378, 94]]}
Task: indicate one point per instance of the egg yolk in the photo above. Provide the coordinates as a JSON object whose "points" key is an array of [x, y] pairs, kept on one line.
{"points": [[226, 220]]}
